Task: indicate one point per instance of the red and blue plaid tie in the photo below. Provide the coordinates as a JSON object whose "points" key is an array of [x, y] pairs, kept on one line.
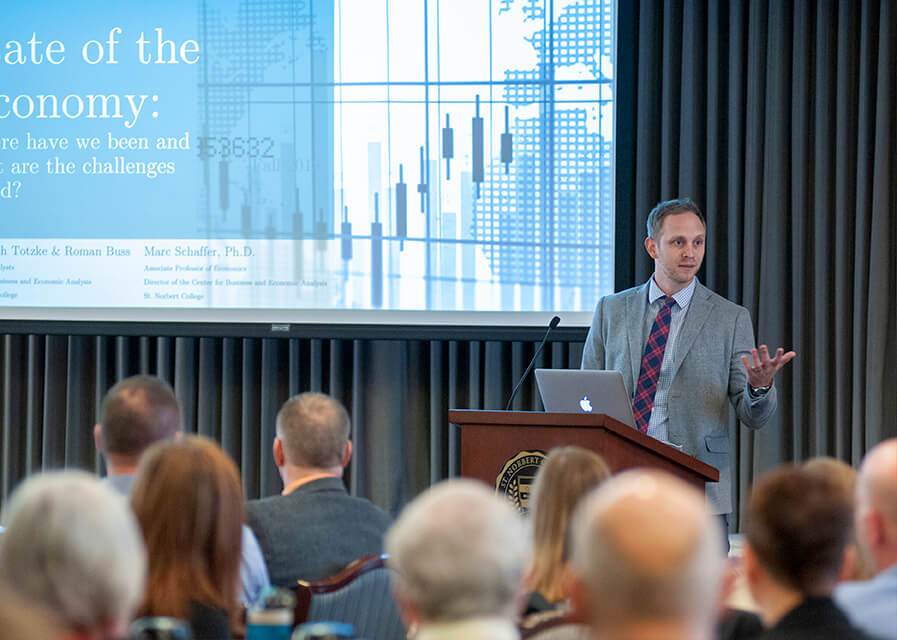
{"points": [[643, 400]]}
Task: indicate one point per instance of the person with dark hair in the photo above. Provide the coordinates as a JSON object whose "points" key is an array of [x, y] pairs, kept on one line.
{"points": [[798, 526], [685, 352], [314, 528], [136, 413], [188, 499]]}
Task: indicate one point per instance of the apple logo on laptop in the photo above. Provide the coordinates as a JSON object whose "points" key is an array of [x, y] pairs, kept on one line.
{"points": [[585, 404]]}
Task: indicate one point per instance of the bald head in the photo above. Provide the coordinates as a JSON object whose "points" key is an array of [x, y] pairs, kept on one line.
{"points": [[876, 509], [646, 549]]}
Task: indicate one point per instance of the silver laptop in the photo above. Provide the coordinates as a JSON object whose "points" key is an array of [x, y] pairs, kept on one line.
{"points": [[585, 391]]}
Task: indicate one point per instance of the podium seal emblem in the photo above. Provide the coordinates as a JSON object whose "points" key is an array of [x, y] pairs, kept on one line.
{"points": [[515, 480]]}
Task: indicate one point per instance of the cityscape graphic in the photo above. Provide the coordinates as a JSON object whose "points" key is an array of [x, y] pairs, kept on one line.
{"points": [[428, 154]]}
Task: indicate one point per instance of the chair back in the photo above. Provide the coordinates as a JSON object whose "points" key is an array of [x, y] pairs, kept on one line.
{"points": [[556, 624], [359, 594]]}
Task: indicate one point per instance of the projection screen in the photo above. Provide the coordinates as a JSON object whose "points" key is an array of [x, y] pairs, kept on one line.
{"points": [[349, 161]]}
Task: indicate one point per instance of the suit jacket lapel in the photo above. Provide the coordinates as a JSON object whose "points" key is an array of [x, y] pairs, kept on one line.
{"points": [[636, 307], [699, 309]]}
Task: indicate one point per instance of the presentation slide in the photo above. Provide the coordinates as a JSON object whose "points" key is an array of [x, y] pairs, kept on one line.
{"points": [[306, 161]]}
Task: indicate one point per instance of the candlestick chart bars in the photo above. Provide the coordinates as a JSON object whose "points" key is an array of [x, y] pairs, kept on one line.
{"points": [[426, 154]]}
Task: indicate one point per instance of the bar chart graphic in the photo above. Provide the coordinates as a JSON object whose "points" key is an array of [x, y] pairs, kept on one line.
{"points": [[439, 154]]}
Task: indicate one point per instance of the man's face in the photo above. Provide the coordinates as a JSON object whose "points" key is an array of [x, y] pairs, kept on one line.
{"points": [[679, 248]]}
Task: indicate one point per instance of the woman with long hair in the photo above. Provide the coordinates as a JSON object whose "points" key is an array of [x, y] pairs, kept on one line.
{"points": [[567, 474], [189, 502]]}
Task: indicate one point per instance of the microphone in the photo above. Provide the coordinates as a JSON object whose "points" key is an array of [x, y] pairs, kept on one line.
{"points": [[555, 321]]}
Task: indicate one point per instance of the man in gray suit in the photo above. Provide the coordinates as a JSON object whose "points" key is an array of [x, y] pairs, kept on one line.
{"points": [[314, 528], [685, 351]]}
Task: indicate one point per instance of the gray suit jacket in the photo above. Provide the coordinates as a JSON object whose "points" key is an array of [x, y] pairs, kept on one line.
{"points": [[315, 530], [707, 372]]}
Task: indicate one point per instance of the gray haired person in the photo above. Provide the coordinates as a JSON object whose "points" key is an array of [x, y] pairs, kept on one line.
{"points": [[72, 546], [458, 553]]}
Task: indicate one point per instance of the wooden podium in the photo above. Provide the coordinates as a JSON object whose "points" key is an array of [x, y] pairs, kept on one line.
{"points": [[489, 439]]}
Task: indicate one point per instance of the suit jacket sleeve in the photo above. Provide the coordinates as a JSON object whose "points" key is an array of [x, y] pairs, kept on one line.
{"points": [[753, 412], [593, 350]]}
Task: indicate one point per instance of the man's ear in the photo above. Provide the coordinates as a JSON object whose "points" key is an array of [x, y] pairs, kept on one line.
{"points": [[348, 454], [277, 448], [578, 594], [752, 568], [98, 437], [518, 603], [406, 610], [728, 584], [848, 563], [867, 529], [651, 247]]}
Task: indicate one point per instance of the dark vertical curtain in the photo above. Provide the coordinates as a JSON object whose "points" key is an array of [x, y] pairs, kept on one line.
{"points": [[779, 118], [398, 392]]}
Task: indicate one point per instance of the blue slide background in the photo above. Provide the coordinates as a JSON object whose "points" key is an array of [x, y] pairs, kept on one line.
{"points": [[236, 90]]}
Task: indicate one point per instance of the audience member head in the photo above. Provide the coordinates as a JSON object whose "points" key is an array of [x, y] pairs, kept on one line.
{"points": [[312, 436], [136, 412], [647, 558], [798, 524], [189, 502], [458, 552], [876, 504], [857, 563], [566, 475], [72, 546]]}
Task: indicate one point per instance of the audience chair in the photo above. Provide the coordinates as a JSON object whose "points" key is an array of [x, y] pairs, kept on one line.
{"points": [[556, 624], [359, 594]]}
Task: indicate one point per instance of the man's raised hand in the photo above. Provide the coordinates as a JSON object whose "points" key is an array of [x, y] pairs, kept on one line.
{"points": [[761, 369]]}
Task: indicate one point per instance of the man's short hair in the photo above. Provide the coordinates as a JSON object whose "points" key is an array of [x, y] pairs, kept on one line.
{"points": [[458, 551], [73, 546], [647, 549], [669, 208], [314, 429], [797, 524], [137, 412]]}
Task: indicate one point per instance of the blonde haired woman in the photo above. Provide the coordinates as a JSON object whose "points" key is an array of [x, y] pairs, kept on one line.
{"points": [[567, 474]]}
